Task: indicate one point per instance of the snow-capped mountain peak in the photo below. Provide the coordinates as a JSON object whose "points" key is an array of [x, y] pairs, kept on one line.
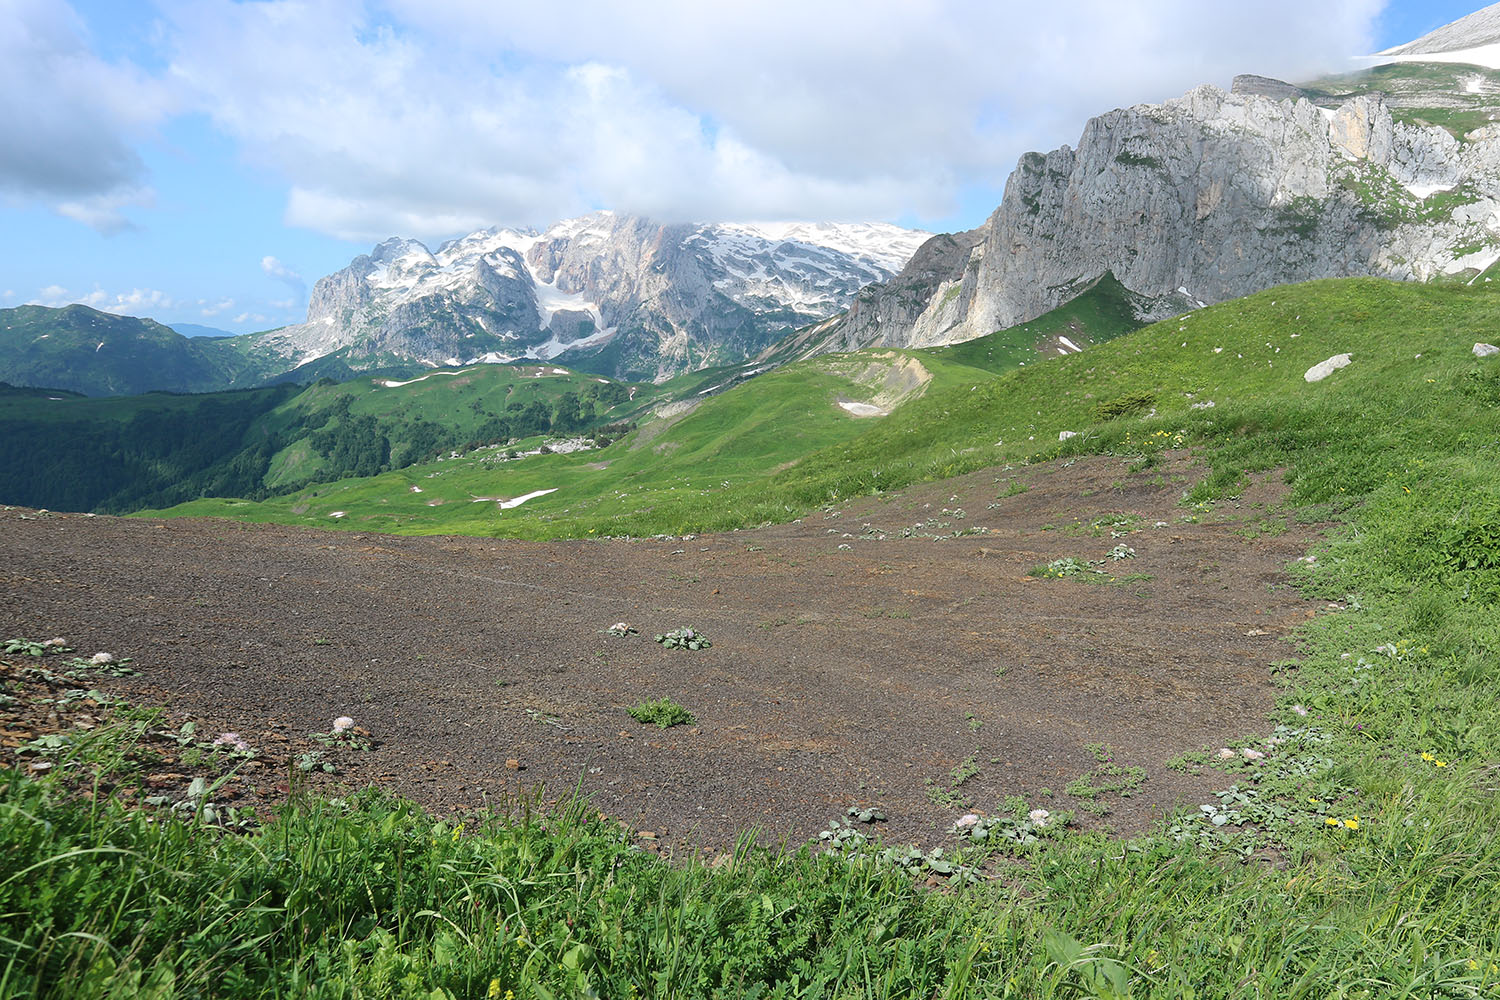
{"points": [[669, 297]]}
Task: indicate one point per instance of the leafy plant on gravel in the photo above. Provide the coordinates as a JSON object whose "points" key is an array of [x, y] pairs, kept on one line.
{"points": [[683, 638], [26, 647], [315, 760], [663, 712], [1106, 776], [1059, 569]]}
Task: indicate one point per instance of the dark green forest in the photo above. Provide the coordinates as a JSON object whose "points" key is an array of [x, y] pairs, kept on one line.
{"points": [[114, 456]]}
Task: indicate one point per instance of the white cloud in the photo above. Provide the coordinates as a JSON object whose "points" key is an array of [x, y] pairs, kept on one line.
{"points": [[214, 308], [136, 302], [105, 212], [429, 118], [72, 120], [248, 317], [274, 268]]}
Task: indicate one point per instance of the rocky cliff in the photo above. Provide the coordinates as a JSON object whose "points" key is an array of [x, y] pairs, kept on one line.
{"points": [[619, 294], [1212, 196]]}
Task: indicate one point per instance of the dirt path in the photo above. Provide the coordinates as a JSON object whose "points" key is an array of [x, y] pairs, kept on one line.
{"points": [[849, 664]]}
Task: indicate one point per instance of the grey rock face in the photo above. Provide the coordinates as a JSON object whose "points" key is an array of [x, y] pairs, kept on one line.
{"points": [[1265, 86], [1479, 28], [1206, 198], [659, 299]]}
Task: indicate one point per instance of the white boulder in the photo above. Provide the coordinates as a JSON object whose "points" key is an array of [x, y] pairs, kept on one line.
{"points": [[1323, 369], [1485, 350]]}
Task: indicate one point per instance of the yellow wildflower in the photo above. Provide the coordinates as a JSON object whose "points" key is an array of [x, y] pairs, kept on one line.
{"points": [[458, 831], [1312, 800], [1352, 824], [494, 991], [1440, 763], [1330, 821], [1428, 757], [1473, 965]]}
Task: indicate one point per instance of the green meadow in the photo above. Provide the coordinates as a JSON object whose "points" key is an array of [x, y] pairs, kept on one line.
{"points": [[1355, 856]]}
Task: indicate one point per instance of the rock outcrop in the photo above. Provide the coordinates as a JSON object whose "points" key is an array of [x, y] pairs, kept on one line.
{"points": [[621, 294], [1197, 200]]}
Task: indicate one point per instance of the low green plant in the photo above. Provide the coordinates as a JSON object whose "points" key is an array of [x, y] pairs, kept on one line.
{"points": [[683, 638], [663, 712]]}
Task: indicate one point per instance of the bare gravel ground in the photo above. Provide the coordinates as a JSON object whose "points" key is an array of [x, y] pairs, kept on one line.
{"points": [[849, 665]]}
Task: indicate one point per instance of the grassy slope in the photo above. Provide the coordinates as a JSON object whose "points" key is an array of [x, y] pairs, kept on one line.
{"points": [[87, 431], [101, 354], [659, 479], [1358, 858], [1101, 313]]}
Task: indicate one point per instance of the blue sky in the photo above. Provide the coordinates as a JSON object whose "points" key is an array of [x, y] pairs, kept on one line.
{"points": [[205, 161]]}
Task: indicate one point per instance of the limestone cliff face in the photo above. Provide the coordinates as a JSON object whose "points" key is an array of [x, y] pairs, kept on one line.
{"points": [[617, 293], [1205, 198]]}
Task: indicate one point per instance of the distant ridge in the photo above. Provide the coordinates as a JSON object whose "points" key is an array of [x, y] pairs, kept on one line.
{"points": [[1472, 39]]}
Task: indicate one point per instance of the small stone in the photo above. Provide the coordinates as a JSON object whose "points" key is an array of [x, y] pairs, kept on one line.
{"points": [[1064, 435], [511, 764], [1227, 754], [1485, 350]]}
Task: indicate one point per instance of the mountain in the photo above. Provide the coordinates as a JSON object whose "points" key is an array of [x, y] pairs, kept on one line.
{"points": [[101, 354], [199, 330], [1394, 172], [1473, 39], [618, 294]]}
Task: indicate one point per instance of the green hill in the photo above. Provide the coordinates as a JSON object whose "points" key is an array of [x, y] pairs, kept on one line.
{"points": [[118, 454], [101, 354], [778, 445], [1105, 310]]}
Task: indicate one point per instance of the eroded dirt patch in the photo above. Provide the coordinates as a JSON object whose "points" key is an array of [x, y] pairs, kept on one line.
{"points": [[865, 655]]}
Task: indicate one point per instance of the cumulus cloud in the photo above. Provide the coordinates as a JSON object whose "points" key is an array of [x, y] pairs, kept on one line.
{"points": [[72, 120], [136, 302], [214, 308], [430, 118], [273, 268]]}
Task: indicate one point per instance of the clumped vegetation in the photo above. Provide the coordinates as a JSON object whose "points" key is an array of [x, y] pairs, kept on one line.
{"points": [[663, 712], [1349, 852], [123, 454]]}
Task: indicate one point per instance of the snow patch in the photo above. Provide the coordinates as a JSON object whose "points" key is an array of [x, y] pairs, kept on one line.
{"points": [[518, 501], [1069, 344], [1424, 191], [554, 347], [861, 409], [392, 384]]}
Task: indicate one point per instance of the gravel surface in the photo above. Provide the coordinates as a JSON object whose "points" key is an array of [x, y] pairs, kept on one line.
{"points": [[849, 665]]}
